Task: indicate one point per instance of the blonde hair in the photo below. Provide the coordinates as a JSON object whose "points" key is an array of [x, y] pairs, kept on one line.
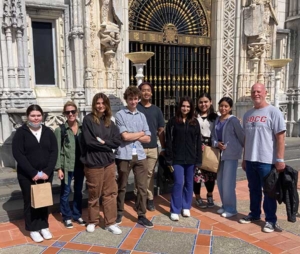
{"points": [[70, 104]]}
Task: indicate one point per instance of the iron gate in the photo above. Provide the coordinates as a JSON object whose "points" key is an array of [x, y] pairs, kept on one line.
{"points": [[174, 71]]}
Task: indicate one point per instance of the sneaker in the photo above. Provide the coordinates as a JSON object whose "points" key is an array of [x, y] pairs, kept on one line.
{"points": [[81, 222], [145, 222], [119, 219], [220, 211], [199, 202], [174, 217], [210, 201], [68, 224], [46, 233], [90, 228], [114, 229], [186, 213], [36, 236], [227, 214], [269, 227], [248, 219], [150, 205]]}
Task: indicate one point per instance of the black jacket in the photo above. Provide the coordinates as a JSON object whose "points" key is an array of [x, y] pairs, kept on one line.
{"points": [[283, 187], [33, 156], [94, 154], [183, 143]]}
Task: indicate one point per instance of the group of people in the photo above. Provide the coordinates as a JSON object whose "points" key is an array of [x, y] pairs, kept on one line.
{"points": [[98, 146]]}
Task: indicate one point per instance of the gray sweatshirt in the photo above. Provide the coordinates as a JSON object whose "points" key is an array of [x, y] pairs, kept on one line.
{"points": [[233, 135]]}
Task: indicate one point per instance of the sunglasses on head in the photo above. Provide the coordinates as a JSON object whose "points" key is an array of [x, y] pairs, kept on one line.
{"points": [[73, 112]]}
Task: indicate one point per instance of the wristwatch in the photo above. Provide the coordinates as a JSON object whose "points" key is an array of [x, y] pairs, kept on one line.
{"points": [[279, 160]]}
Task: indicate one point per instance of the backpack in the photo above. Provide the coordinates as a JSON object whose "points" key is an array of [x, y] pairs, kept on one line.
{"points": [[64, 134]]}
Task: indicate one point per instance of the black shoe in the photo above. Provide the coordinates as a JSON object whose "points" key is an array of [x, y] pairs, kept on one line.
{"points": [[145, 222], [81, 222], [68, 224], [210, 201], [150, 205], [248, 219], [119, 219]]}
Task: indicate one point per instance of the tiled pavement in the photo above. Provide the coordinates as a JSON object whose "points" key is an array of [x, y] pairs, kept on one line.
{"points": [[204, 232]]}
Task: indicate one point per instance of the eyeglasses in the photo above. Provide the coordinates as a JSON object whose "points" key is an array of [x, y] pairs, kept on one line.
{"points": [[73, 112]]}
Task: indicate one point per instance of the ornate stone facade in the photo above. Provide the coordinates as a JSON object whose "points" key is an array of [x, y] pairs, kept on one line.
{"points": [[90, 38]]}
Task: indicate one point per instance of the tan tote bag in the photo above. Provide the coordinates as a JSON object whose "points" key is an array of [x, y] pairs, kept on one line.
{"points": [[210, 159], [41, 195]]}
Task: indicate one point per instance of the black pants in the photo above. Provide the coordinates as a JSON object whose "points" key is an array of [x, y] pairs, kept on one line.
{"points": [[35, 219], [209, 187]]}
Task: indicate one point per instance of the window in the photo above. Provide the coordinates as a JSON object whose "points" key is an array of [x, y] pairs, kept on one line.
{"points": [[43, 51]]}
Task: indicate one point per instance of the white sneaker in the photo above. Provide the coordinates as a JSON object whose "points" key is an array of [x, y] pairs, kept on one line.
{"points": [[46, 233], [186, 213], [227, 214], [36, 236], [114, 229], [90, 228], [174, 217], [220, 211]]}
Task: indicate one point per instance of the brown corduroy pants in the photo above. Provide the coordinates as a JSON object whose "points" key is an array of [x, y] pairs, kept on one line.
{"points": [[102, 183]]}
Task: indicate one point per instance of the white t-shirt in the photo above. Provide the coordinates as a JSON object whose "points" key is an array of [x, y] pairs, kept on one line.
{"points": [[37, 133], [261, 126]]}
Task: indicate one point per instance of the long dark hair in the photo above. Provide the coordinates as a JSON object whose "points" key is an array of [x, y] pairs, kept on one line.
{"points": [[190, 116], [107, 114], [211, 114], [229, 101]]}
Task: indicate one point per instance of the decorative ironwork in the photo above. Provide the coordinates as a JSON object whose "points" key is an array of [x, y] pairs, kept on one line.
{"points": [[174, 71], [188, 16], [178, 32]]}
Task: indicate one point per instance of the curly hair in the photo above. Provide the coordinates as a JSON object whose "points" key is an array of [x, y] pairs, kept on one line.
{"points": [[132, 91]]}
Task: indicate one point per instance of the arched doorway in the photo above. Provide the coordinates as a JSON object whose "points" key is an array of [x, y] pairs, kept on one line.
{"points": [[178, 32]]}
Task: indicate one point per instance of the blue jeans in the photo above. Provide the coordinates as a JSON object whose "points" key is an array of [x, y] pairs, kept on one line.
{"points": [[182, 192], [226, 180], [65, 191], [255, 173]]}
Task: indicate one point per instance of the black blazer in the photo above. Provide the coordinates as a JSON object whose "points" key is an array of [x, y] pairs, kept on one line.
{"points": [[33, 156], [183, 143]]}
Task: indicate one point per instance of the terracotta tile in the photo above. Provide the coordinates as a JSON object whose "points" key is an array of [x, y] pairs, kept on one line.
{"points": [[103, 250], [208, 220], [201, 249], [294, 251], [224, 227], [222, 233], [138, 252], [186, 230], [5, 236], [164, 228], [8, 226], [267, 247], [251, 229], [129, 244], [203, 240], [204, 225], [76, 246], [13, 243], [276, 240], [245, 237], [287, 245], [263, 236], [67, 238], [291, 236], [16, 234], [136, 233], [51, 250], [128, 223], [64, 232]]}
